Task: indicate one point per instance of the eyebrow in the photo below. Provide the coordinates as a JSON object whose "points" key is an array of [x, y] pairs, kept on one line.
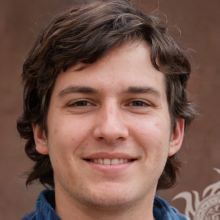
{"points": [[89, 90], [77, 89], [142, 89]]}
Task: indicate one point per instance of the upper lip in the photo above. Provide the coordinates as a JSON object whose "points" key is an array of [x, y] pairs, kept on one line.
{"points": [[110, 156]]}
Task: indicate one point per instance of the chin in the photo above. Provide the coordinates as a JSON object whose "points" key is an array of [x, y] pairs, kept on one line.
{"points": [[108, 199], [111, 204]]}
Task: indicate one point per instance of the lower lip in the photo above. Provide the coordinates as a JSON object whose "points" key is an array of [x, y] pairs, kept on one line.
{"points": [[110, 168]]}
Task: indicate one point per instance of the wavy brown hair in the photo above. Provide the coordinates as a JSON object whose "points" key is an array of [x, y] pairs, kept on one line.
{"points": [[85, 34]]}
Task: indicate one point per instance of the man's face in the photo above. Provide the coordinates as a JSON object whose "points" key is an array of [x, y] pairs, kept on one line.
{"points": [[109, 130]]}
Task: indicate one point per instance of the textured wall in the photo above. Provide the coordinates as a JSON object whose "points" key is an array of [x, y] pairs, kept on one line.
{"points": [[199, 21]]}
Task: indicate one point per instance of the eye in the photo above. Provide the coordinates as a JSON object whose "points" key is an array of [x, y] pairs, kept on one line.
{"points": [[137, 103], [80, 103]]}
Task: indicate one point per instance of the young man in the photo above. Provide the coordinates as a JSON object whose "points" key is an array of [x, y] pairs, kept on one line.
{"points": [[105, 111]]}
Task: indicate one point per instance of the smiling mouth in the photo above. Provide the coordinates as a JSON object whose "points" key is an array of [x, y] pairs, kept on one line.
{"points": [[108, 161]]}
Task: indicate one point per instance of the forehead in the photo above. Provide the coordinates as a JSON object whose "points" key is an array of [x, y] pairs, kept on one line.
{"points": [[129, 65]]}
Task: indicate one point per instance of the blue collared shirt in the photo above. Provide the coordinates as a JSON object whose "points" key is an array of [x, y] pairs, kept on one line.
{"points": [[46, 203]]}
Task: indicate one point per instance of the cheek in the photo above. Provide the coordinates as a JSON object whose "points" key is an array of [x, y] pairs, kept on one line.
{"points": [[153, 136], [64, 138], [66, 134]]}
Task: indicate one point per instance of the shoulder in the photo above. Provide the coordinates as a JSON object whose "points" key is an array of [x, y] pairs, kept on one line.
{"points": [[44, 207], [163, 211], [30, 216]]}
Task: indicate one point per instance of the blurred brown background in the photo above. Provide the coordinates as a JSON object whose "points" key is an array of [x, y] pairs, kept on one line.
{"points": [[199, 21]]}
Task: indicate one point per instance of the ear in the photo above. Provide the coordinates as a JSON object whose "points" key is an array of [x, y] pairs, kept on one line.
{"points": [[40, 139], [177, 137]]}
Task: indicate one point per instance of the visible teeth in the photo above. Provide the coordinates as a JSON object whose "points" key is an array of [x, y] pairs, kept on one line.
{"points": [[100, 161], [114, 161], [121, 160], [108, 161]]}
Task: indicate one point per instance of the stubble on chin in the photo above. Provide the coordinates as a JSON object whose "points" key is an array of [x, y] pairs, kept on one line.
{"points": [[114, 203]]}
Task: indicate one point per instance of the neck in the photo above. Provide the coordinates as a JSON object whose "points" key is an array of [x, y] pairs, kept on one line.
{"points": [[69, 208]]}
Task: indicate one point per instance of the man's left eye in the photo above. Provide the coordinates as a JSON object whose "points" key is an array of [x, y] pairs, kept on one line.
{"points": [[137, 103]]}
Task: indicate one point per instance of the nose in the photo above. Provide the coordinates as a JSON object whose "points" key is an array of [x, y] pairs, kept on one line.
{"points": [[110, 126]]}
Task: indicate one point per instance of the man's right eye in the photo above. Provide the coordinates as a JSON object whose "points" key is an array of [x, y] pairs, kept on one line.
{"points": [[80, 103]]}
